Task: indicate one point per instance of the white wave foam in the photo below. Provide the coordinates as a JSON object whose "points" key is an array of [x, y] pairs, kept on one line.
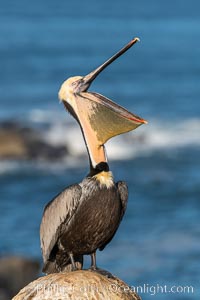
{"points": [[8, 166], [146, 139], [159, 135], [44, 116], [156, 136]]}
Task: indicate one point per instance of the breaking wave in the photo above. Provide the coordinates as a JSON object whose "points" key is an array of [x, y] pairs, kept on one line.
{"points": [[157, 135], [57, 129]]}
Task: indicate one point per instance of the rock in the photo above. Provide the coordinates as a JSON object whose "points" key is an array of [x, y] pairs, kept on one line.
{"points": [[19, 142], [12, 145], [15, 272], [78, 285]]}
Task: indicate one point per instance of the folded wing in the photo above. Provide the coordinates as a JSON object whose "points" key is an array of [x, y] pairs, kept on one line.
{"points": [[58, 212]]}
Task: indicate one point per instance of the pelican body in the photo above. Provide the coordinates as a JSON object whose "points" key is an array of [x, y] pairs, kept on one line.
{"points": [[81, 219], [85, 216]]}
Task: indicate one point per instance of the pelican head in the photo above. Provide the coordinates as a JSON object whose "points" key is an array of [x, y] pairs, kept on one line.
{"points": [[99, 118]]}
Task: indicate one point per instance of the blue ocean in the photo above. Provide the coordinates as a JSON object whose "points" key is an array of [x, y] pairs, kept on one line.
{"points": [[45, 42]]}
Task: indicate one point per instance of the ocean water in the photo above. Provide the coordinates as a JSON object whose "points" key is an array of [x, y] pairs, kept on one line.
{"points": [[42, 44]]}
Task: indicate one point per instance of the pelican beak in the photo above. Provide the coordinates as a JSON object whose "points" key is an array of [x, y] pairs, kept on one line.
{"points": [[88, 79], [99, 117]]}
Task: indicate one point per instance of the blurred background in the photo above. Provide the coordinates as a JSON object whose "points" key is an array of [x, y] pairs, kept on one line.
{"points": [[42, 150]]}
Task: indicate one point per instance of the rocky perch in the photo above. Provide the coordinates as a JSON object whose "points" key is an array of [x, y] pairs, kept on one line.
{"points": [[78, 285]]}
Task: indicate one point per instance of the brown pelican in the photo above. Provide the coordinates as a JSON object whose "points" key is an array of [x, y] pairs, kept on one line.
{"points": [[85, 216]]}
